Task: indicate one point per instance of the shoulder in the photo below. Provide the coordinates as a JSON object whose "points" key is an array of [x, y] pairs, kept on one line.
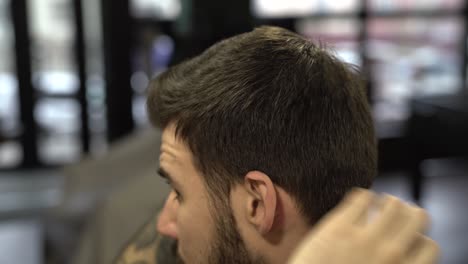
{"points": [[148, 247]]}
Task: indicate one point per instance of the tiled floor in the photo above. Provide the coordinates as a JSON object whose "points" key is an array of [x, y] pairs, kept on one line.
{"points": [[28, 192], [20, 242], [23, 197], [446, 199]]}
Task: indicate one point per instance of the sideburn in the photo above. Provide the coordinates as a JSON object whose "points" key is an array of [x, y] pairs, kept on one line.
{"points": [[228, 245]]}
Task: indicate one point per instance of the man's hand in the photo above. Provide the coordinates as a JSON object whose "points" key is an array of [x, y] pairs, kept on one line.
{"points": [[361, 230]]}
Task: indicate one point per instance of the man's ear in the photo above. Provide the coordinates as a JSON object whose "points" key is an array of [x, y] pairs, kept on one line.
{"points": [[261, 201]]}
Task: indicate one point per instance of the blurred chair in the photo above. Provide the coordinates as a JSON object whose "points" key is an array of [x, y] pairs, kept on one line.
{"points": [[119, 217], [438, 127], [106, 200]]}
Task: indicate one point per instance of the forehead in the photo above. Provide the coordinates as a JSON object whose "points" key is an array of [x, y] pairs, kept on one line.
{"points": [[172, 148], [176, 158]]}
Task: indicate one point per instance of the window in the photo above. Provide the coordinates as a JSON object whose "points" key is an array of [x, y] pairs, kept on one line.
{"points": [[300, 8], [159, 9], [54, 76], [413, 57], [338, 34], [414, 5]]}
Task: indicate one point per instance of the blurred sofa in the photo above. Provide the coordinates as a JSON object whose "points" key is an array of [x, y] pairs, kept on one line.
{"points": [[105, 201]]}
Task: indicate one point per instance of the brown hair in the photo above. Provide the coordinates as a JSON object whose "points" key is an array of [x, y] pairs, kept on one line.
{"points": [[272, 101]]}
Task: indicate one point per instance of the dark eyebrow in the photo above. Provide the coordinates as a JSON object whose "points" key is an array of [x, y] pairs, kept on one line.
{"points": [[164, 174]]}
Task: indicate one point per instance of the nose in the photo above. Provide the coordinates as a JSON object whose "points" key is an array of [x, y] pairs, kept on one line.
{"points": [[167, 221]]}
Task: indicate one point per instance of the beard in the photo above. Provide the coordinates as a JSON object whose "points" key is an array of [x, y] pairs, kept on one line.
{"points": [[228, 246]]}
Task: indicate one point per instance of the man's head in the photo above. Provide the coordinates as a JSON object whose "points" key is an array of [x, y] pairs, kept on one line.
{"points": [[263, 133]]}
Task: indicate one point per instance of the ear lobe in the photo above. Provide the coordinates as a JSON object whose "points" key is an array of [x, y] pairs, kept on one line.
{"points": [[261, 204]]}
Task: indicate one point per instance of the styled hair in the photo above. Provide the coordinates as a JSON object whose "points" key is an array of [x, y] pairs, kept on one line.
{"points": [[273, 101]]}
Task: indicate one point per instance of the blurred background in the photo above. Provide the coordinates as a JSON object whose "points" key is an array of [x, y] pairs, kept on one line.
{"points": [[78, 158]]}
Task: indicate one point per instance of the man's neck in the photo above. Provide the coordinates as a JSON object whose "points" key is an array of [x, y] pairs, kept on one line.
{"points": [[280, 252]]}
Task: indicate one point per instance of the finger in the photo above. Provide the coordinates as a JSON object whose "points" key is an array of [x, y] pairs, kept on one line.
{"points": [[390, 213], [426, 252], [416, 223], [353, 207]]}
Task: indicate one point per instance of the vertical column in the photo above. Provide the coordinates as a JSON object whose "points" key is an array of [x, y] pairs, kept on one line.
{"points": [[26, 90], [81, 63], [211, 21], [117, 32], [363, 47], [464, 48]]}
